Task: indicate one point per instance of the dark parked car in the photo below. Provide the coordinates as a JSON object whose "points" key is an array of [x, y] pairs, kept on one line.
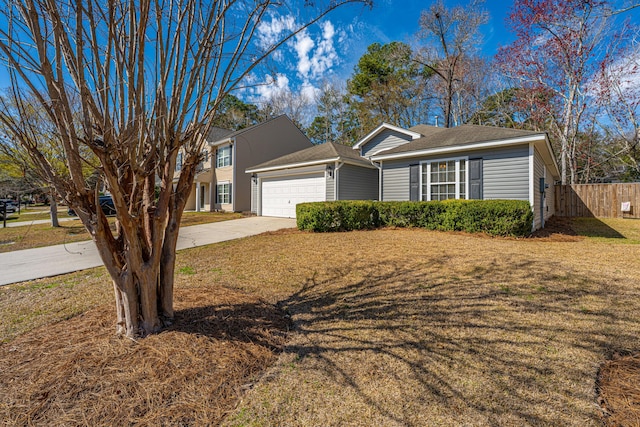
{"points": [[6, 206], [106, 202]]}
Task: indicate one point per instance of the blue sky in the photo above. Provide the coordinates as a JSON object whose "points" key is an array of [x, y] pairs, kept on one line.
{"points": [[329, 50]]}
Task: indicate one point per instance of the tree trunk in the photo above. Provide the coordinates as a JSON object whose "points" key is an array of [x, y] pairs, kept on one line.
{"points": [[53, 208], [137, 301], [134, 269], [167, 270]]}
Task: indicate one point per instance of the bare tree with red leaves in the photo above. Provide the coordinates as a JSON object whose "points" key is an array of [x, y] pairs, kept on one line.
{"points": [[552, 61], [617, 91]]}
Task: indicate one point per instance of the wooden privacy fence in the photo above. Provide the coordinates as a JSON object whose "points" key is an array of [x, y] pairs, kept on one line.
{"points": [[599, 200]]}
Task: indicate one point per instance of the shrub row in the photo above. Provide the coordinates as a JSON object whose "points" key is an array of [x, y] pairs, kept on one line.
{"points": [[494, 217]]}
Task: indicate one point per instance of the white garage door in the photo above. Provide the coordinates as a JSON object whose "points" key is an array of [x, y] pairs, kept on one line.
{"points": [[280, 195]]}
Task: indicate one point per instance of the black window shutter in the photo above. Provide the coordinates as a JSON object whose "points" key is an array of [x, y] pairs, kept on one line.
{"points": [[414, 182], [475, 178]]}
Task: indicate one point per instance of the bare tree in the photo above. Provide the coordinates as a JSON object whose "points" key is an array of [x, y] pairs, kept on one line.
{"points": [[149, 76], [451, 39], [296, 105], [552, 61], [28, 116], [618, 93]]}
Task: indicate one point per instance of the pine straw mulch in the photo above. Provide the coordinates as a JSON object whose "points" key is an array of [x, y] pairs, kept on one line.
{"points": [[76, 372], [619, 378], [619, 390]]}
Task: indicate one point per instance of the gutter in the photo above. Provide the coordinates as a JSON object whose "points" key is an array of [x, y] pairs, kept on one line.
{"points": [[303, 164], [292, 165]]}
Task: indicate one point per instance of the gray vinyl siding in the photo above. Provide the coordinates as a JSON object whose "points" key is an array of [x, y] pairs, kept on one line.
{"points": [[357, 183], [395, 180], [505, 173], [330, 193], [383, 141], [539, 172]]}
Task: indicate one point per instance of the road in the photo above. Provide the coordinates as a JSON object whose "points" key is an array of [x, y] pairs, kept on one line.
{"points": [[30, 264]]}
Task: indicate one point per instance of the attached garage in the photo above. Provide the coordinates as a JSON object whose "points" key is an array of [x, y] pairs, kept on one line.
{"points": [[280, 195], [321, 173]]}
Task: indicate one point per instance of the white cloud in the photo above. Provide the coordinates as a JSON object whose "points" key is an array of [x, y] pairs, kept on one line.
{"points": [[316, 57], [309, 91], [270, 32], [325, 56], [300, 66], [303, 46], [270, 87]]}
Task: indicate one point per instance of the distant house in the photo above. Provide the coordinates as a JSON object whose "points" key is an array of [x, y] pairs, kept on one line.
{"points": [[419, 163], [220, 183]]}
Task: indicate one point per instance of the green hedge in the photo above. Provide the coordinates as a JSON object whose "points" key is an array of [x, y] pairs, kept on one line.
{"points": [[494, 217], [337, 216]]}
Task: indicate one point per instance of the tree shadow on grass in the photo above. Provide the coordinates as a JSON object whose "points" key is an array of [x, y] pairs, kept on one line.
{"points": [[252, 322], [495, 343]]}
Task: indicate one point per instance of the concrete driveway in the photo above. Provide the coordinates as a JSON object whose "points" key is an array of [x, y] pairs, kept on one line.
{"points": [[30, 264]]}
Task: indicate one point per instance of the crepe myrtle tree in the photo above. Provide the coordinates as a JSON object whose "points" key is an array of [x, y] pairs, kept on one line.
{"points": [[148, 76]]}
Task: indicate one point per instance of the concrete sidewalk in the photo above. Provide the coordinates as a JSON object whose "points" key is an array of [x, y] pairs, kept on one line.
{"points": [[35, 221], [30, 264]]}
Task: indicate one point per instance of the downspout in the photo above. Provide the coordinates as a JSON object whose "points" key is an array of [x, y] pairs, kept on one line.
{"points": [[336, 167], [234, 160], [379, 167], [212, 194], [532, 183]]}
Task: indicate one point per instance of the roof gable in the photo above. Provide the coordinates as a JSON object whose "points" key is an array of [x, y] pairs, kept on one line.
{"points": [[222, 138], [385, 126]]}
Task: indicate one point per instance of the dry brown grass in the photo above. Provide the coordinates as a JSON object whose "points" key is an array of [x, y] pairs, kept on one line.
{"points": [[391, 327], [38, 235], [77, 373]]}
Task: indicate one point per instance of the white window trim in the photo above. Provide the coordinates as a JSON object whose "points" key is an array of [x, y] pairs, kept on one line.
{"points": [[447, 159], [219, 149], [218, 194]]}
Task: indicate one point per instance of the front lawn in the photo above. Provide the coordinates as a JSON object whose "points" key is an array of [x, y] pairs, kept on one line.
{"points": [[388, 327]]}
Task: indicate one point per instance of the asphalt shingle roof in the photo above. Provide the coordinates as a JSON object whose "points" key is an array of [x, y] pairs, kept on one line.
{"points": [[318, 153], [437, 137], [216, 133]]}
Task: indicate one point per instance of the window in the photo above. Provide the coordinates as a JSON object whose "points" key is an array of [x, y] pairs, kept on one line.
{"points": [[223, 193], [223, 156], [204, 158], [179, 161], [446, 179]]}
